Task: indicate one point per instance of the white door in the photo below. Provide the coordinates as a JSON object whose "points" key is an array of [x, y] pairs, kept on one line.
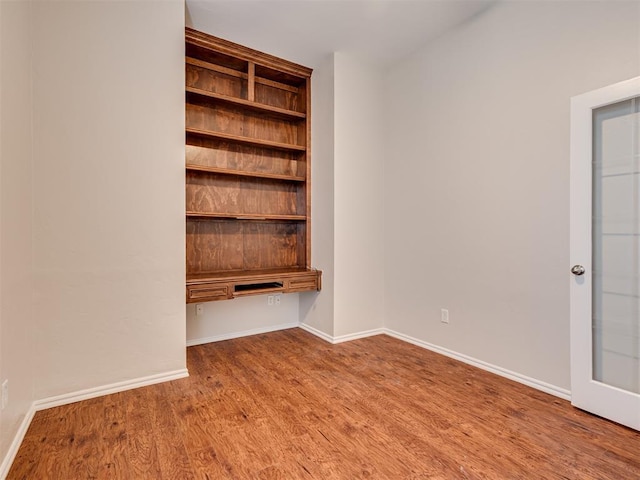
{"points": [[605, 252]]}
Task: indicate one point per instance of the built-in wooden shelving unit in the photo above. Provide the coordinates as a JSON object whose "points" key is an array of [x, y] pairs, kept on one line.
{"points": [[248, 183]]}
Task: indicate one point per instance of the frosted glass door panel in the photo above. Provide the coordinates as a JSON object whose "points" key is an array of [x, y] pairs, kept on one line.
{"points": [[616, 245]]}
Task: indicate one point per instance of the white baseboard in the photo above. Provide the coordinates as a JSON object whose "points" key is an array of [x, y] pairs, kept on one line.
{"points": [[72, 397], [244, 333], [15, 444], [341, 338], [503, 372], [318, 333], [356, 336]]}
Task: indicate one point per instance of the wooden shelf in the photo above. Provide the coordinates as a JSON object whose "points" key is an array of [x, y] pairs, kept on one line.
{"points": [[257, 107], [246, 216], [246, 115], [243, 173], [204, 277], [255, 142], [235, 73]]}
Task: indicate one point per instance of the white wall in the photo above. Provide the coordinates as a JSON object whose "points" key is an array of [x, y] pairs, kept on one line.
{"points": [[316, 308], [358, 196], [240, 316], [16, 271], [108, 179], [477, 178]]}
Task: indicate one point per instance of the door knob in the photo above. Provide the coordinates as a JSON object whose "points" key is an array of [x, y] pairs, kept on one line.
{"points": [[577, 270]]}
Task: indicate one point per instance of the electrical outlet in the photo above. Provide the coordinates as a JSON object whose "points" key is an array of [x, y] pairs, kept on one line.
{"points": [[277, 300], [199, 309], [444, 315], [5, 393], [270, 300]]}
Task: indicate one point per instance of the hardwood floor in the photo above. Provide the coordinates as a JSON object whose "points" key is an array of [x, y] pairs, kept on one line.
{"points": [[287, 405]]}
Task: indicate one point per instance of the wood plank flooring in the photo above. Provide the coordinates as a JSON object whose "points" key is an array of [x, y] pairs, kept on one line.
{"points": [[286, 405]]}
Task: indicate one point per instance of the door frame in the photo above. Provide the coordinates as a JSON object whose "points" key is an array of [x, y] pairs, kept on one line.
{"points": [[596, 397]]}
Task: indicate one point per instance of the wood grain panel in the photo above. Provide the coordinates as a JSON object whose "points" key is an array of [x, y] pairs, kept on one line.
{"points": [[201, 151], [303, 284], [236, 121], [279, 76], [216, 57], [213, 193], [301, 168], [303, 259], [208, 193], [272, 197], [288, 405], [276, 97], [215, 82], [270, 245], [213, 245], [145, 463], [173, 457]]}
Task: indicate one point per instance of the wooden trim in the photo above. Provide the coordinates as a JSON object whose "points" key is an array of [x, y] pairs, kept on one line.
{"points": [[239, 51], [269, 273], [247, 216], [274, 84], [308, 179], [242, 173], [251, 87], [260, 107], [290, 280], [216, 68], [256, 142]]}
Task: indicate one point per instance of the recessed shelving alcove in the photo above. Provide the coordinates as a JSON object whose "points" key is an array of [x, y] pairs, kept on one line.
{"points": [[248, 184]]}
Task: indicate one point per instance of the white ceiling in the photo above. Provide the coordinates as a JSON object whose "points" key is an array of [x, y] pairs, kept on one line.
{"points": [[305, 31]]}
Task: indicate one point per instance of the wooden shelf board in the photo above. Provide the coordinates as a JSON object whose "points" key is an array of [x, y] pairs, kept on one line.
{"points": [[243, 173], [239, 275], [247, 216], [236, 73], [216, 68], [256, 142], [258, 107]]}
